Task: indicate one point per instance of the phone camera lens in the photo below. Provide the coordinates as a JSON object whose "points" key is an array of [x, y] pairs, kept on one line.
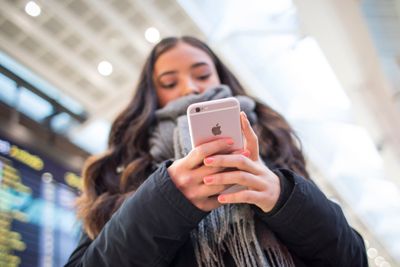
{"points": [[197, 109]]}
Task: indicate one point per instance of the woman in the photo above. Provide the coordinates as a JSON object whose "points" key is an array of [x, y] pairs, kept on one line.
{"points": [[151, 201]]}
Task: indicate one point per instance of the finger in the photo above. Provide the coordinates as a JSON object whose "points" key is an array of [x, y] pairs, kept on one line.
{"points": [[251, 140], [203, 171], [221, 169], [236, 177], [207, 191], [239, 151], [197, 154], [243, 152], [195, 178], [240, 162], [244, 196]]}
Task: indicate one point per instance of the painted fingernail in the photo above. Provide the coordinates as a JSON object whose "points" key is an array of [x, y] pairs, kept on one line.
{"points": [[229, 141], [208, 179], [246, 153], [208, 160], [221, 198]]}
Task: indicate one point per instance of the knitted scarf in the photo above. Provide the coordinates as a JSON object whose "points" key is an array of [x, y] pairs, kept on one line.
{"points": [[230, 228]]}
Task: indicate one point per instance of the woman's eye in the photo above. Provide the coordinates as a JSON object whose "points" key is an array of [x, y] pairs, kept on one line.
{"points": [[204, 77], [168, 85]]}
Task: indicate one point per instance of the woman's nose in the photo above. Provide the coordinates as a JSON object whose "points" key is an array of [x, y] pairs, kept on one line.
{"points": [[191, 88]]}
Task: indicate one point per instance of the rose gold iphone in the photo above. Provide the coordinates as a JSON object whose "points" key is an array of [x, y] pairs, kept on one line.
{"points": [[215, 119]]}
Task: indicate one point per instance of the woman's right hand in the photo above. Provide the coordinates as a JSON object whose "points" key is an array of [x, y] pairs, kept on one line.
{"points": [[187, 174]]}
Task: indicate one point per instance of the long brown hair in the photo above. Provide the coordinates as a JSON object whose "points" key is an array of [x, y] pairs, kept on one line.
{"points": [[105, 187]]}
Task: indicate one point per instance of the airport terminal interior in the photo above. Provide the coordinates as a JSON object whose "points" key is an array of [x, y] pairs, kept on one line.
{"points": [[67, 68]]}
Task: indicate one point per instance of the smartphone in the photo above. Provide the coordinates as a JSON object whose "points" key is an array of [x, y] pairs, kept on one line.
{"points": [[215, 119]]}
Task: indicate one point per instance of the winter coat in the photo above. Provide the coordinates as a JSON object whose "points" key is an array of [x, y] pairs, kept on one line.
{"points": [[152, 228]]}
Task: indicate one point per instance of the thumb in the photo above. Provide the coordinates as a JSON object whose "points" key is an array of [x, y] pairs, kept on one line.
{"points": [[250, 137]]}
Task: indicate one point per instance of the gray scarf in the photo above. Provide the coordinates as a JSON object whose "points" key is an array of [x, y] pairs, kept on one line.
{"points": [[229, 228]]}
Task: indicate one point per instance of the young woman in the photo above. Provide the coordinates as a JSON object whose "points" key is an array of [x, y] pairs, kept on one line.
{"points": [[152, 201]]}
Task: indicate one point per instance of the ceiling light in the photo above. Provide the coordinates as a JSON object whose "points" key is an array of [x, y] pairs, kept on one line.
{"points": [[105, 68], [152, 35], [372, 252], [379, 260], [47, 177], [32, 9]]}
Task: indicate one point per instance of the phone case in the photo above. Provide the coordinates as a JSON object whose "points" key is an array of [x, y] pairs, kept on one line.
{"points": [[214, 119]]}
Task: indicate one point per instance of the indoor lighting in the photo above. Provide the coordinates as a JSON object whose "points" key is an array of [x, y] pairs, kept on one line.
{"points": [[372, 252], [105, 68], [379, 260], [152, 35], [32, 9], [47, 177]]}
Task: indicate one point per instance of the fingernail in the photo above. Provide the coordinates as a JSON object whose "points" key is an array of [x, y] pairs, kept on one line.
{"points": [[229, 142], [208, 160], [221, 198], [246, 153], [244, 114], [208, 179]]}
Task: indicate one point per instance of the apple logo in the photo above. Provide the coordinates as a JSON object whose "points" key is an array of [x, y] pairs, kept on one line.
{"points": [[216, 130]]}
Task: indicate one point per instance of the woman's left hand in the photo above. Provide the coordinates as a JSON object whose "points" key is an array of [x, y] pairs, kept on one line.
{"points": [[263, 186]]}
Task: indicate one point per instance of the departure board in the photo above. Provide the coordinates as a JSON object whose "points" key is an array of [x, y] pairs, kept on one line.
{"points": [[37, 219]]}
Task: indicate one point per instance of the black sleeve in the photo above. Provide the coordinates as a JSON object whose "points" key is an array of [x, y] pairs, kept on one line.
{"points": [[147, 230], [313, 227]]}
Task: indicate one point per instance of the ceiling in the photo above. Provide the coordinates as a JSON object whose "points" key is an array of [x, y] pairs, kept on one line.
{"points": [[65, 44]]}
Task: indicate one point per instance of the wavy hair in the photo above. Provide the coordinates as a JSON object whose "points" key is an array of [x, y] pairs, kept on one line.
{"points": [[105, 187]]}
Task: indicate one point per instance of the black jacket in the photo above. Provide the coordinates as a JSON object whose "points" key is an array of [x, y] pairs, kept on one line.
{"points": [[152, 228]]}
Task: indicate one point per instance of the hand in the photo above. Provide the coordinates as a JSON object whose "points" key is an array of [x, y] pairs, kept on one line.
{"points": [[188, 173], [263, 186]]}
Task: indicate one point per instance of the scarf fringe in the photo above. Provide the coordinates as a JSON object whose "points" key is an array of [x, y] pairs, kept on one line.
{"points": [[231, 228]]}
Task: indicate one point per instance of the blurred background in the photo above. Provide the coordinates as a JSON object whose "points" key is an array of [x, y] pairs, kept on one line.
{"points": [[332, 67]]}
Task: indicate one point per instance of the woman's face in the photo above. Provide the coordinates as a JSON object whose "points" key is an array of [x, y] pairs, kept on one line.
{"points": [[183, 70]]}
